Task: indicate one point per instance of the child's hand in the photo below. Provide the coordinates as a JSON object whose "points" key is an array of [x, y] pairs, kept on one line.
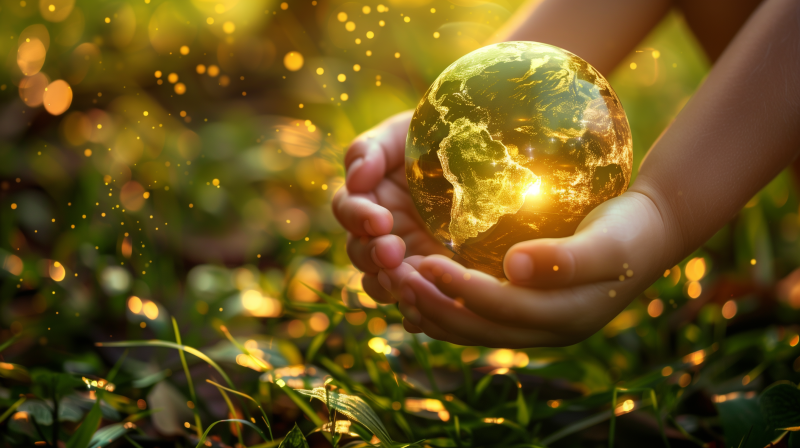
{"points": [[375, 207], [618, 250]]}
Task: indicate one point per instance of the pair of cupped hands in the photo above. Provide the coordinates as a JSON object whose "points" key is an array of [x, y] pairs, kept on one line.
{"points": [[618, 250]]}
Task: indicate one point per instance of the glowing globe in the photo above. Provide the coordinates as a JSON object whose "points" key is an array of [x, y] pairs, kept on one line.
{"points": [[514, 141]]}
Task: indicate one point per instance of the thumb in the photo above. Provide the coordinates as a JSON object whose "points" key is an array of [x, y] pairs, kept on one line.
{"points": [[619, 238]]}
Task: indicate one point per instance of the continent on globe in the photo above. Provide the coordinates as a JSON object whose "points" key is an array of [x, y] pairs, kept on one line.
{"points": [[515, 141]]}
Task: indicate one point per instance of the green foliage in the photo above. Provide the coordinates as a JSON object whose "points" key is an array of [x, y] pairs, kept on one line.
{"points": [[294, 439]]}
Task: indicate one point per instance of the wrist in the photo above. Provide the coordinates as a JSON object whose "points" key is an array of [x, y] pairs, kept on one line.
{"points": [[675, 245]]}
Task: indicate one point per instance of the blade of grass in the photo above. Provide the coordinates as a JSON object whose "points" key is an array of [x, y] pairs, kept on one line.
{"points": [[244, 349], [336, 304], [160, 343], [203, 436], [264, 415], [302, 404], [132, 442], [10, 410], [114, 370], [82, 437], [422, 357], [197, 422], [233, 414], [8, 343]]}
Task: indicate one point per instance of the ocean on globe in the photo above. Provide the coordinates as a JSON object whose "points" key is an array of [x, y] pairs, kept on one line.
{"points": [[512, 142]]}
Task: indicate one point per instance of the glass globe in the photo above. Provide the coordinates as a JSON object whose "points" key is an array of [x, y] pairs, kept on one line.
{"points": [[514, 141]]}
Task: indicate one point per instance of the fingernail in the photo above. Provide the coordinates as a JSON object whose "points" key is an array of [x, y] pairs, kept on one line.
{"points": [[519, 267], [354, 167], [368, 228], [408, 296], [384, 280], [412, 314], [374, 254]]}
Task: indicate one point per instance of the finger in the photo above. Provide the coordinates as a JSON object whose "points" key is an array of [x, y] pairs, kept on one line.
{"points": [[370, 285], [411, 328], [605, 247], [360, 215], [371, 254], [559, 311], [376, 152], [412, 319], [451, 316]]}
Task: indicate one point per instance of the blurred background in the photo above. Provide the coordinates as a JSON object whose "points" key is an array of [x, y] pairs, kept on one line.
{"points": [[168, 159]]}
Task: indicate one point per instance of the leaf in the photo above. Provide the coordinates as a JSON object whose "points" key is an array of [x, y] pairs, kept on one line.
{"points": [[11, 409], [294, 439], [82, 437], [738, 417], [107, 434], [47, 384], [205, 434], [14, 372], [780, 404], [38, 410], [353, 407]]}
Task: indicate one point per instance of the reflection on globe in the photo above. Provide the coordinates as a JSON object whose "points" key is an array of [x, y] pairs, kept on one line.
{"points": [[515, 141]]}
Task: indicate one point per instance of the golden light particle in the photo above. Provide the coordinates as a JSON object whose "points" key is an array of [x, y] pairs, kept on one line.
{"points": [[108, 20], [666, 371], [210, 20], [51, 8], [312, 128], [180, 88], [146, 195], [382, 8], [229, 27], [224, 80], [342, 16], [191, 205], [612, 293], [381, 23], [87, 152], [142, 324], [436, 34], [135, 304], [656, 54], [57, 97], [182, 113], [341, 77], [344, 97], [320, 70], [158, 73], [213, 71], [201, 69], [695, 269], [244, 93], [753, 261], [356, 68], [406, 19], [366, 10], [150, 310], [284, 6], [685, 380], [433, 10], [215, 182], [655, 308], [23, 3], [30, 56], [145, 113], [301, 105], [694, 290], [378, 83], [370, 34], [13, 206], [219, 8], [184, 50], [358, 41], [350, 26], [729, 309], [397, 55], [633, 66], [369, 52], [172, 78]]}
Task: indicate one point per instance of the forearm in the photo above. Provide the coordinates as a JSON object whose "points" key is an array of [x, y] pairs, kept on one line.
{"points": [[739, 130], [601, 32]]}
